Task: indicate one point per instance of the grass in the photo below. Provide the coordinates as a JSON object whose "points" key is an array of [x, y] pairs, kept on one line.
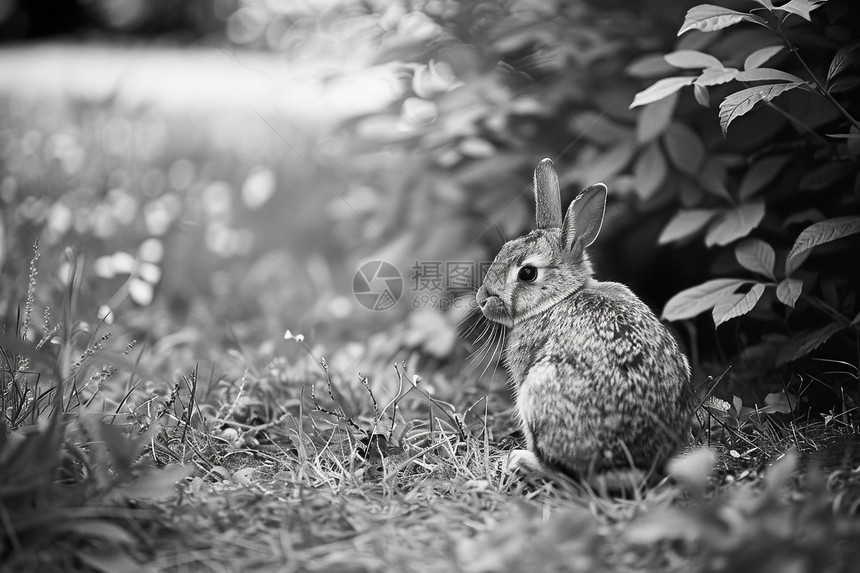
{"points": [[293, 466]]}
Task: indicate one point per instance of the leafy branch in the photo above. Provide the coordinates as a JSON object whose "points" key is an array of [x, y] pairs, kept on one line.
{"points": [[710, 18], [729, 298], [821, 88]]}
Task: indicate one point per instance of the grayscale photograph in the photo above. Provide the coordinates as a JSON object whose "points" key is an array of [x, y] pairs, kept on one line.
{"points": [[411, 286]]}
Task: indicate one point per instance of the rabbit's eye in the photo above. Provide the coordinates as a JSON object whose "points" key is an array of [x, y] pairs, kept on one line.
{"points": [[527, 274]]}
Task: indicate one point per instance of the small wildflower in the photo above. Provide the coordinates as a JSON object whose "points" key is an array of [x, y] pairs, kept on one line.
{"points": [[288, 335]]}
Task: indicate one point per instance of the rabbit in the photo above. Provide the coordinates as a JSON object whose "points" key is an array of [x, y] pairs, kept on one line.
{"points": [[603, 391]]}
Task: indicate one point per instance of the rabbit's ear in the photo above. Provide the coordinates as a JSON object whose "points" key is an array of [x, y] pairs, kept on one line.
{"points": [[547, 196], [584, 219]]}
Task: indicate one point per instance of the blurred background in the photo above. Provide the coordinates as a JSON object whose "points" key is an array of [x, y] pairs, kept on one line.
{"points": [[219, 170]]}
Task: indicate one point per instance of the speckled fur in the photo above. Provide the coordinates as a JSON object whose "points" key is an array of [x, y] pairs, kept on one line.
{"points": [[601, 385]]}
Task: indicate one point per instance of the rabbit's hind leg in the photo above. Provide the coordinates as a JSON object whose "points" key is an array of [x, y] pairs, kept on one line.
{"points": [[520, 461]]}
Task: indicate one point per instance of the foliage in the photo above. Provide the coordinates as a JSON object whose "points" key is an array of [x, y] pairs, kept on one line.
{"points": [[824, 129], [749, 207], [792, 525], [65, 491], [74, 491], [793, 530]]}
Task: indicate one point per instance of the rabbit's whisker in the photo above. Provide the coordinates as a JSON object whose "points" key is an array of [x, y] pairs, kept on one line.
{"points": [[485, 348], [473, 312], [465, 334], [488, 328], [497, 350], [476, 321], [477, 356]]}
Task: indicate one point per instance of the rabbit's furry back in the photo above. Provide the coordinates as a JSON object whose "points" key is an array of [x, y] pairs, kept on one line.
{"points": [[601, 384]]}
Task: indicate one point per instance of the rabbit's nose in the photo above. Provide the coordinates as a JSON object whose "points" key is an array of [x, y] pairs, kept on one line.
{"points": [[481, 296]]}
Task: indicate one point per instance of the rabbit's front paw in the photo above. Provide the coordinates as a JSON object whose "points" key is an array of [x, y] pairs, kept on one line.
{"points": [[520, 460]]}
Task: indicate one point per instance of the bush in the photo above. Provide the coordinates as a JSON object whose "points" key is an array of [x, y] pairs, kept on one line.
{"points": [[788, 156], [723, 205]]}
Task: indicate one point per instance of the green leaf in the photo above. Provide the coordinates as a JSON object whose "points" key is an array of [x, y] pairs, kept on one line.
{"points": [[844, 83], [757, 256], [685, 223], [713, 178], [710, 18], [767, 75], [245, 476], [655, 118], [801, 7], [714, 77], [854, 136], [684, 148], [788, 291], [735, 224], [739, 103], [650, 171], [844, 58], [735, 305], [702, 96], [818, 234], [759, 57], [825, 175], [760, 174], [696, 300], [802, 344], [596, 127], [649, 66], [780, 402], [692, 60], [476, 148], [807, 215], [611, 162], [661, 89], [738, 404]]}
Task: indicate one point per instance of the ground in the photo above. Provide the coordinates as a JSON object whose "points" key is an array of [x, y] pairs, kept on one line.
{"points": [[288, 464]]}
